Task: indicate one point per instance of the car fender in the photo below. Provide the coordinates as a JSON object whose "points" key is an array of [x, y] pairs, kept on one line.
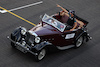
{"points": [[81, 34], [16, 34], [41, 45]]}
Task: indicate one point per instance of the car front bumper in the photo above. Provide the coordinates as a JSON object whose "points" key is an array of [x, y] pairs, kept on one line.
{"points": [[21, 47]]}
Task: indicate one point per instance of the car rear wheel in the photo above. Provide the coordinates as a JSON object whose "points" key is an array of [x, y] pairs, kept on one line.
{"points": [[40, 55], [79, 42]]}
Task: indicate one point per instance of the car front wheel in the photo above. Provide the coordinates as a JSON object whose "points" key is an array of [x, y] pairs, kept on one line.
{"points": [[40, 55]]}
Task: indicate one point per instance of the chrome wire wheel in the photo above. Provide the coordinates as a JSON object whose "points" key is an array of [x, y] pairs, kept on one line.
{"points": [[42, 54], [79, 42]]}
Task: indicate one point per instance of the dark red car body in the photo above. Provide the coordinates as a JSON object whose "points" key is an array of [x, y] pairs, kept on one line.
{"points": [[44, 34]]}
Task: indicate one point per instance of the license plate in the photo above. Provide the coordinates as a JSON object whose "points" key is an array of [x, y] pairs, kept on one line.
{"points": [[21, 49]]}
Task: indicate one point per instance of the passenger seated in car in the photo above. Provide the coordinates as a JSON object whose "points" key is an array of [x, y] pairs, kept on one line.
{"points": [[71, 21]]}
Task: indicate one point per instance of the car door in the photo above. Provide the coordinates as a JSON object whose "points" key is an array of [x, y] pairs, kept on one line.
{"points": [[64, 39], [69, 38]]}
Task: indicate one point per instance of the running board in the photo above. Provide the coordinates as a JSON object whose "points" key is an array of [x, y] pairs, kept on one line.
{"points": [[65, 47]]}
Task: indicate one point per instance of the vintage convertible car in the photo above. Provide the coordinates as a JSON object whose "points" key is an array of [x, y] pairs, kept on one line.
{"points": [[49, 32]]}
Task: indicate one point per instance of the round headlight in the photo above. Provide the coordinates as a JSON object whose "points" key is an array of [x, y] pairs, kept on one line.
{"points": [[23, 31], [37, 39]]}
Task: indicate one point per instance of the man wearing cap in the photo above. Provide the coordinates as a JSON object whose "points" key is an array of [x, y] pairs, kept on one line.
{"points": [[72, 20]]}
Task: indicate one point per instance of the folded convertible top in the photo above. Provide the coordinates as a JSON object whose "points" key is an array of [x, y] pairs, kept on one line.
{"points": [[77, 17]]}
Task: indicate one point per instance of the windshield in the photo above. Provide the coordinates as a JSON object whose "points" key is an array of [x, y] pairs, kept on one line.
{"points": [[55, 23]]}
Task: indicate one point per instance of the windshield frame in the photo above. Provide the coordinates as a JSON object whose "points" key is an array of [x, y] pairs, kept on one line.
{"points": [[57, 24]]}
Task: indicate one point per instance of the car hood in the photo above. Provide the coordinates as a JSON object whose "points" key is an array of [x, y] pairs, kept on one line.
{"points": [[45, 30]]}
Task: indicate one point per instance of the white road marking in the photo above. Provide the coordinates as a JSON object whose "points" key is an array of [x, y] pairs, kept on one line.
{"points": [[4, 11]]}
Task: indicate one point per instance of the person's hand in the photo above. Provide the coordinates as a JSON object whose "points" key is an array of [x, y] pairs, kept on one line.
{"points": [[58, 5], [79, 27], [71, 29]]}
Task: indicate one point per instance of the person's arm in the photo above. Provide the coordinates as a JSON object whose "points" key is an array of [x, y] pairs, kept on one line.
{"points": [[75, 25], [66, 12], [62, 8]]}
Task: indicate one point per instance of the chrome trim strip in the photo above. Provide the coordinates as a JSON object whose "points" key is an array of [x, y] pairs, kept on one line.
{"points": [[65, 47], [33, 33]]}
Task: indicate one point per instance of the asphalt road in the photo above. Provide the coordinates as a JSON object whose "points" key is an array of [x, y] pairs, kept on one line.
{"points": [[88, 55]]}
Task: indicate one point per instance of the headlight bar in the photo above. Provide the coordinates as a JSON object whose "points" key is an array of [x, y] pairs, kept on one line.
{"points": [[23, 31]]}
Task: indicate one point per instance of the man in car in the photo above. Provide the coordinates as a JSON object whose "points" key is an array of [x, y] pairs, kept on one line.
{"points": [[65, 14]]}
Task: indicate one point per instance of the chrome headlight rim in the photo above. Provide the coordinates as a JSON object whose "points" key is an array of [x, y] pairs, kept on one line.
{"points": [[23, 31], [37, 39]]}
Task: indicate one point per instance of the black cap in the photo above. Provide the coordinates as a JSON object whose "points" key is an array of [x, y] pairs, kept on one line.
{"points": [[72, 11]]}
